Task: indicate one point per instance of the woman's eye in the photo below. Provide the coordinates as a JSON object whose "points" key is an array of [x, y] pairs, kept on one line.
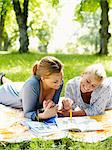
{"points": [[56, 82], [87, 81], [93, 86]]}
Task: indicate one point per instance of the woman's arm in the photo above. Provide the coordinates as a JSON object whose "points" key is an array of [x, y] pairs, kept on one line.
{"points": [[30, 101], [49, 111], [29, 97], [78, 113], [99, 103], [96, 107]]}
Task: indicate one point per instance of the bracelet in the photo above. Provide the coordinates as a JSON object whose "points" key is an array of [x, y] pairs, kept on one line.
{"points": [[37, 117]]}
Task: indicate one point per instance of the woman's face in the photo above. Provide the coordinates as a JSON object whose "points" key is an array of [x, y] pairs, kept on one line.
{"points": [[89, 82], [54, 80]]}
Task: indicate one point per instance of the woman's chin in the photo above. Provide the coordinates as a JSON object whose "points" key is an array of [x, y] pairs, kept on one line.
{"points": [[83, 90]]}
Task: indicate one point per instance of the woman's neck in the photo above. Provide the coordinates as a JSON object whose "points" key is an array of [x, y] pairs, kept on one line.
{"points": [[46, 93], [44, 86]]}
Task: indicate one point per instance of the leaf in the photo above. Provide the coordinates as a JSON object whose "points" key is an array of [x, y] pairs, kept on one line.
{"points": [[89, 5]]}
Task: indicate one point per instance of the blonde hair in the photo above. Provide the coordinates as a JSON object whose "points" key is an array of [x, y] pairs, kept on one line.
{"points": [[47, 66], [96, 69]]}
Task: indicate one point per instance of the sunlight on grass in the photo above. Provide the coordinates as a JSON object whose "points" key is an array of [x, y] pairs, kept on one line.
{"points": [[5, 52], [14, 70]]}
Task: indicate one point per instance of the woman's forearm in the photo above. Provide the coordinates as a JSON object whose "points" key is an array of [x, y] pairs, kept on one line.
{"points": [[74, 113], [78, 113]]}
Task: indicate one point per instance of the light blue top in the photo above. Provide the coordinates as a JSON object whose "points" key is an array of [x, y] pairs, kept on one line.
{"points": [[101, 98], [27, 98]]}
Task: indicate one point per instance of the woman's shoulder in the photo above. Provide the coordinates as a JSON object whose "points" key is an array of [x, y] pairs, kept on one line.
{"points": [[107, 82], [32, 81]]}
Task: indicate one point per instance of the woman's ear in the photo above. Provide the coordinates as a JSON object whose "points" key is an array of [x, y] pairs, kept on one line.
{"points": [[82, 74]]}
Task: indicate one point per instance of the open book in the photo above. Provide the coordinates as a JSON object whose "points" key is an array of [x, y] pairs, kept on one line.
{"points": [[77, 124]]}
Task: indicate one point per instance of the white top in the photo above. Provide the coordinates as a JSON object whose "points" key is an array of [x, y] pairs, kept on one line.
{"points": [[101, 98]]}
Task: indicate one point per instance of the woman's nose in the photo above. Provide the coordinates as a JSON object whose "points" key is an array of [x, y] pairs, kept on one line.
{"points": [[59, 82], [88, 87]]}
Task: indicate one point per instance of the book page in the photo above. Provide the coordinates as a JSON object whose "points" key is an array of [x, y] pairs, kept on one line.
{"points": [[82, 124]]}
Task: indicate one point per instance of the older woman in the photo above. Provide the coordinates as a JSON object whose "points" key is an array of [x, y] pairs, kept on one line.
{"points": [[91, 93]]}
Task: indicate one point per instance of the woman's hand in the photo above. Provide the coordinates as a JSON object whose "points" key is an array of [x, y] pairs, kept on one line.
{"points": [[48, 104], [50, 111], [67, 104]]}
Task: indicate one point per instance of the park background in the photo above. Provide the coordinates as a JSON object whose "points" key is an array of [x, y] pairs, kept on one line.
{"points": [[78, 32]]}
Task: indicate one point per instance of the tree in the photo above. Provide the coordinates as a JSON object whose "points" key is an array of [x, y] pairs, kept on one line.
{"points": [[21, 17], [85, 5]]}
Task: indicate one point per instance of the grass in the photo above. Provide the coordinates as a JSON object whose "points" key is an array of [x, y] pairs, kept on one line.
{"points": [[18, 68]]}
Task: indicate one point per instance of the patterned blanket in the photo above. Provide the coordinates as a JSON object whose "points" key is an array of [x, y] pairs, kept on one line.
{"points": [[11, 129]]}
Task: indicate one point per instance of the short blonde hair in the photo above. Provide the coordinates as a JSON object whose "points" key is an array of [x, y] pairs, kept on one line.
{"points": [[96, 69], [47, 66]]}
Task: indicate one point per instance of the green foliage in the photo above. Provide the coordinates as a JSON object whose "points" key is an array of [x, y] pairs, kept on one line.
{"points": [[4, 9], [110, 3], [5, 4], [86, 6], [54, 2], [90, 5], [78, 13]]}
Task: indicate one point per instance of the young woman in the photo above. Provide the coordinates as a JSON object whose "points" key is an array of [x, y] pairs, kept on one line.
{"points": [[91, 93], [43, 88]]}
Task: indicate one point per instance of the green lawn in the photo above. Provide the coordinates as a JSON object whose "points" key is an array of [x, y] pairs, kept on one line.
{"points": [[18, 68]]}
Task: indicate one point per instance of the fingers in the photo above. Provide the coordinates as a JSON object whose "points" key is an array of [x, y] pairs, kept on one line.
{"points": [[51, 112], [67, 103], [50, 104], [50, 108], [47, 104], [56, 107]]}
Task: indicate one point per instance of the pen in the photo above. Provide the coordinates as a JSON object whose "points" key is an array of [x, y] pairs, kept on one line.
{"points": [[71, 115]]}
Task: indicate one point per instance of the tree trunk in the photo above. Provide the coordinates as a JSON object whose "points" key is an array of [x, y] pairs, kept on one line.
{"points": [[6, 41], [2, 21], [104, 34], [21, 18]]}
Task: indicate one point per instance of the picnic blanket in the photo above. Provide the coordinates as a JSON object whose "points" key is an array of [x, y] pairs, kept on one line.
{"points": [[11, 129]]}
